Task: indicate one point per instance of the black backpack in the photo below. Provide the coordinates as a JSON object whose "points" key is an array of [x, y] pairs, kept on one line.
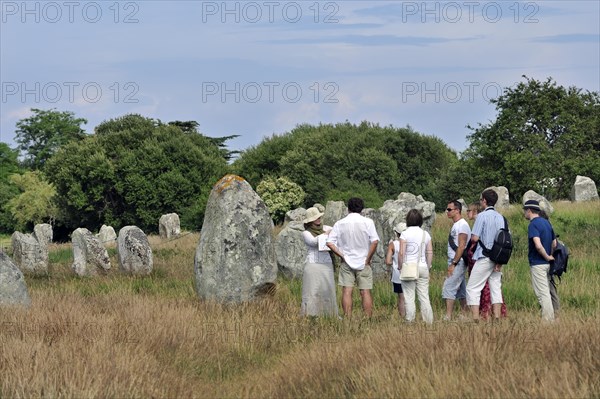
{"points": [[561, 259], [502, 247]]}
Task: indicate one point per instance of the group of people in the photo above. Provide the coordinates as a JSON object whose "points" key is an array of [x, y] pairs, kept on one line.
{"points": [[354, 239]]}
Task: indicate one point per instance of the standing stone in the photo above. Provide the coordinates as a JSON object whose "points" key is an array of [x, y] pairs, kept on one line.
{"points": [[107, 235], [295, 215], [89, 255], [503, 196], [334, 211], [13, 290], [235, 258], [378, 260], [291, 250], [133, 251], [168, 226], [584, 189], [389, 215], [29, 254], [544, 203], [43, 233], [464, 205], [394, 211]]}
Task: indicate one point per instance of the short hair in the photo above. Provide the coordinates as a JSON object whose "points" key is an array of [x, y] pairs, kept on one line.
{"points": [[543, 214], [490, 197], [476, 206], [356, 205], [414, 217], [456, 204]]}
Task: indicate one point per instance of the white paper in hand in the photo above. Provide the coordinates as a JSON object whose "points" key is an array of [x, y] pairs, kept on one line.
{"points": [[323, 242]]}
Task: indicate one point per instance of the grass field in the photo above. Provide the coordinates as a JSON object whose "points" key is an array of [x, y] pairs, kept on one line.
{"points": [[120, 336]]}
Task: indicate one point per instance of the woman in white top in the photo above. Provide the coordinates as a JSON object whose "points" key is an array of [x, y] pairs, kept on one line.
{"points": [[318, 284], [391, 259], [415, 246]]}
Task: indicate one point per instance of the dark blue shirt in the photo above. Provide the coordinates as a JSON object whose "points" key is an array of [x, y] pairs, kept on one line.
{"points": [[539, 227]]}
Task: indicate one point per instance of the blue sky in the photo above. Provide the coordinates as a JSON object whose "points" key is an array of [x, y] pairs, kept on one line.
{"points": [[261, 68]]}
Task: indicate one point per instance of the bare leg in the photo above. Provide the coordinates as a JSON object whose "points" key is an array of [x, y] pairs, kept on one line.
{"points": [[463, 305], [367, 302], [401, 307], [475, 312], [449, 308], [347, 301], [497, 309]]}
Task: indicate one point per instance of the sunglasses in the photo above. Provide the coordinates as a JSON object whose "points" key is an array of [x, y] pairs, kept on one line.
{"points": [[450, 209]]}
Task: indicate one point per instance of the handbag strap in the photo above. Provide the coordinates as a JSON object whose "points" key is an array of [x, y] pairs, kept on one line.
{"points": [[421, 247]]}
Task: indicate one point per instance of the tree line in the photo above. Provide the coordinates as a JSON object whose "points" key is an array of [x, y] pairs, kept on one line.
{"points": [[133, 169]]}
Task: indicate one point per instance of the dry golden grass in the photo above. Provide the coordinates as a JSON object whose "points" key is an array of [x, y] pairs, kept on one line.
{"points": [[146, 346], [121, 336]]}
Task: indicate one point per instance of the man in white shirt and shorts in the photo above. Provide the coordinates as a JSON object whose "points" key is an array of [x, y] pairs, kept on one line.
{"points": [[355, 240], [455, 286]]}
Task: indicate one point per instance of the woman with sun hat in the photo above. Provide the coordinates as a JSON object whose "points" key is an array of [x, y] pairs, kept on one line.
{"points": [[318, 284]]}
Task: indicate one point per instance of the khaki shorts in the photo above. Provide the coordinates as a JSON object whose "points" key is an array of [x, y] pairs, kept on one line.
{"points": [[348, 277]]}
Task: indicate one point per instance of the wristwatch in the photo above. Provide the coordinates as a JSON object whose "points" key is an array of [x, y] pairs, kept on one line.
{"points": [[454, 263]]}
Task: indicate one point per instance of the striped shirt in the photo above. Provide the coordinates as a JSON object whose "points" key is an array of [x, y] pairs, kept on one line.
{"points": [[486, 227]]}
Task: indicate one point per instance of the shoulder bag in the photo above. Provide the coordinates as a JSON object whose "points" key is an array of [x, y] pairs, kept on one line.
{"points": [[410, 270]]}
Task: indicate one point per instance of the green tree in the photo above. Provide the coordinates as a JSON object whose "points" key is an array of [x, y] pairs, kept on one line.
{"points": [[132, 171], [9, 165], [192, 128], [35, 203], [43, 133], [543, 136], [280, 195], [336, 162]]}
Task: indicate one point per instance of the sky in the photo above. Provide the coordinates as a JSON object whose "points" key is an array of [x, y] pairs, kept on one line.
{"points": [[258, 68]]}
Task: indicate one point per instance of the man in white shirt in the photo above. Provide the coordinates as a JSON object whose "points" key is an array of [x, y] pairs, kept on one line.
{"points": [[355, 239], [455, 286]]}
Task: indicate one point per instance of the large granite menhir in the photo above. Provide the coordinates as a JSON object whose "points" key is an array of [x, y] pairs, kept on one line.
{"points": [[235, 258], [290, 250], [30, 254], [89, 255], [169, 226], [584, 189], [13, 291], [134, 252]]}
